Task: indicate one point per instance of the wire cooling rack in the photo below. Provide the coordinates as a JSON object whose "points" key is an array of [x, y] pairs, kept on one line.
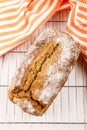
{"points": [[68, 111]]}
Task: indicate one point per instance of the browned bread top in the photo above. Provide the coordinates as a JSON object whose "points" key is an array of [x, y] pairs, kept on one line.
{"points": [[44, 71]]}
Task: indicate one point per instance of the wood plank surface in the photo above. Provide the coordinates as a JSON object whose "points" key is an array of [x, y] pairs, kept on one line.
{"points": [[68, 111]]}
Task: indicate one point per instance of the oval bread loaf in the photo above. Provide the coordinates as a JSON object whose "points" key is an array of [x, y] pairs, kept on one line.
{"points": [[43, 72]]}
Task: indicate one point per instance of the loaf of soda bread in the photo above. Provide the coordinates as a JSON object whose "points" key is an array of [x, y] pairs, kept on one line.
{"points": [[44, 71]]}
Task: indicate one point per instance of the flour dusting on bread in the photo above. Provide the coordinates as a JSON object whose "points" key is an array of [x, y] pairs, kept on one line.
{"points": [[43, 71]]}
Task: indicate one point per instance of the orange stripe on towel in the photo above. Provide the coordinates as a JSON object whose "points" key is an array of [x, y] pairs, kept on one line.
{"points": [[10, 40], [77, 23]]}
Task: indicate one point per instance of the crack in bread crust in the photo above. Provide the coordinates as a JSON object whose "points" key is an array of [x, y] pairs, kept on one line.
{"points": [[31, 74]]}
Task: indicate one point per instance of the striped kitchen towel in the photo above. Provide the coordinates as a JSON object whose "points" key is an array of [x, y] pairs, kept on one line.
{"points": [[77, 24], [20, 18]]}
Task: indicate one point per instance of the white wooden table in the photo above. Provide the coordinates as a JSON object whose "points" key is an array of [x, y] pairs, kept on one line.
{"points": [[69, 110]]}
